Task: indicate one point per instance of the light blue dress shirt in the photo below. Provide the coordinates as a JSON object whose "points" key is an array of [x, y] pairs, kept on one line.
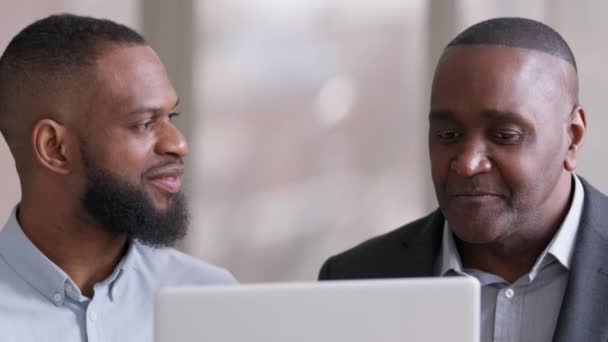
{"points": [[39, 302]]}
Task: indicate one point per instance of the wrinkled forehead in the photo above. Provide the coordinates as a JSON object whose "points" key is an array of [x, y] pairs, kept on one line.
{"points": [[496, 77]]}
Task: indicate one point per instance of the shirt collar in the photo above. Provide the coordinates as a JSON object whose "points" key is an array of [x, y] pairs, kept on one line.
{"points": [[562, 244], [450, 258], [129, 261], [45, 276], [30, 263], [560, 247]]}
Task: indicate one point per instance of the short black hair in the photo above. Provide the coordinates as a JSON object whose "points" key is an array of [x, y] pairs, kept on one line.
{"points": [[65, 40], [517, 32], [48, 53]]}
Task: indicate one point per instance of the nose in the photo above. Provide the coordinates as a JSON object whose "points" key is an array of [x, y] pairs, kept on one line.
{"points": [[171, 141], [471, 160]]}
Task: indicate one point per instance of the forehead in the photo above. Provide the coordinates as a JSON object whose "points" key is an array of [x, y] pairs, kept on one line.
{"points": [[132, 76], [482, 78]]}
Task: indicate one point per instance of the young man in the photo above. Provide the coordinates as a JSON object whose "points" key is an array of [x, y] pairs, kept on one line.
{"points": [[86, 109]]}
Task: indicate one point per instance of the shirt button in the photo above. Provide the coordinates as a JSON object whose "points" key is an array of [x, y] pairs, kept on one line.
{"points": [[510, 293], [92, 316], [57, 297], [68, 287]]}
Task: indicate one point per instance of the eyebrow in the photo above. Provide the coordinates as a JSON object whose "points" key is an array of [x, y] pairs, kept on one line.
{"points": [[446, 115], [149, 109], [504, 115], [441, 115]]}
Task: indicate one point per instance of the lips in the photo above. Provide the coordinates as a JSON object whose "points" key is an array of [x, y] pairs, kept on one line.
{"points": [[476, 187], [475, 194], [169, 184], [167, 179], [476, 199]]}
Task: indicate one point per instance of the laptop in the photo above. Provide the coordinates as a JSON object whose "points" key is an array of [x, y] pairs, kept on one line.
{"points": [[415, 309]]}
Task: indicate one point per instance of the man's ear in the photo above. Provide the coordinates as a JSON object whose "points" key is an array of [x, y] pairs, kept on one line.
{"points": [[49, 141], [577, 128]]}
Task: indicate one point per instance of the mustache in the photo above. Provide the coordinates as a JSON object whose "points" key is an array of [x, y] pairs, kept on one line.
{"points": [[174, 166]]}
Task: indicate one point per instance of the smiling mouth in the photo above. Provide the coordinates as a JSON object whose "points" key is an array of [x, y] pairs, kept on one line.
{"points": [[167, 179], [169, 183], [476, 194]]}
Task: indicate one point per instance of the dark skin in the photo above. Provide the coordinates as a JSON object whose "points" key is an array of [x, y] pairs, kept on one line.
{"points": [[129, 104], [505, 129]]}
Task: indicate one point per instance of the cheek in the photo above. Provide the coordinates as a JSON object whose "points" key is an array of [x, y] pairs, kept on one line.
{"points": [[527, 177], [440, 165], [127, 160], [131, 165]]}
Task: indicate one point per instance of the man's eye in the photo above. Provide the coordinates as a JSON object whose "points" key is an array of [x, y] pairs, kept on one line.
{"points": [[173, 115], [507, 137], [448, 136], [144, 125]]}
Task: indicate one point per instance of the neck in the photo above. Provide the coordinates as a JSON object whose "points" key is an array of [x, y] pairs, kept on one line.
{"points": [[506, 261], [86, 252]]}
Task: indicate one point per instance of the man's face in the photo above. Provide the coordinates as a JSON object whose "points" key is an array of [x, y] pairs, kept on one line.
{"points": [[130, 141], [498, 140]]}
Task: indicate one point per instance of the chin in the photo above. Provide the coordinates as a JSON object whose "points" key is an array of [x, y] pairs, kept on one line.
{"points": [[161, 201], [163, 206], [477, 232], [477, 238]]}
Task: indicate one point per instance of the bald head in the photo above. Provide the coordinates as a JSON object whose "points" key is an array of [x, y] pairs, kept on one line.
{"points": [[512, 34], [516, 32], [46, 68]]}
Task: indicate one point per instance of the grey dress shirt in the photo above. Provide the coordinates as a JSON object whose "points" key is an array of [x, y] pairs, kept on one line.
{"points": [[526, 310], [39, 302]]}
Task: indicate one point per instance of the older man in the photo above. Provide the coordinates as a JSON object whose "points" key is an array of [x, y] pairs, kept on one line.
{"points": [[87, 111], [505, 130]]}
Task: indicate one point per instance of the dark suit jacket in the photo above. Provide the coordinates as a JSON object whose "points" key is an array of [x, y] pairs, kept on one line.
{"points": [[412, 251]]}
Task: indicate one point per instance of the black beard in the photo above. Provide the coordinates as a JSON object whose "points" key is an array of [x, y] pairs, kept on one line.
{"points": [[120, 208]]}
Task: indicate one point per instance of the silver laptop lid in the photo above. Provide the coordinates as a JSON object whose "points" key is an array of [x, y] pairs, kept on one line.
{"points": [[423, 309]]}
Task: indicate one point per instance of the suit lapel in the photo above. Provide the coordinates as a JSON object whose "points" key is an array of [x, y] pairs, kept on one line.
{"points": [[421, 247], [584, 312]]}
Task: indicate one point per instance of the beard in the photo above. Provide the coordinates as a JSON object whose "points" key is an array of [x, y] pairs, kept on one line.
{"points": [[119, 207]]}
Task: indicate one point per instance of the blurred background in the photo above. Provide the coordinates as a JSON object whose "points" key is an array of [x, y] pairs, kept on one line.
{"points": [[307, 118]]}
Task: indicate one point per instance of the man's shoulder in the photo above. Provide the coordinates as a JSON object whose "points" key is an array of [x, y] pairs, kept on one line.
{"points": [[174, 268], [386, 242], [378, 257], [595, 208]]}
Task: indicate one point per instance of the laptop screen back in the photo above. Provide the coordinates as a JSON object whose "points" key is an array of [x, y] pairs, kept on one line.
{"points": [[423, 309]]}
